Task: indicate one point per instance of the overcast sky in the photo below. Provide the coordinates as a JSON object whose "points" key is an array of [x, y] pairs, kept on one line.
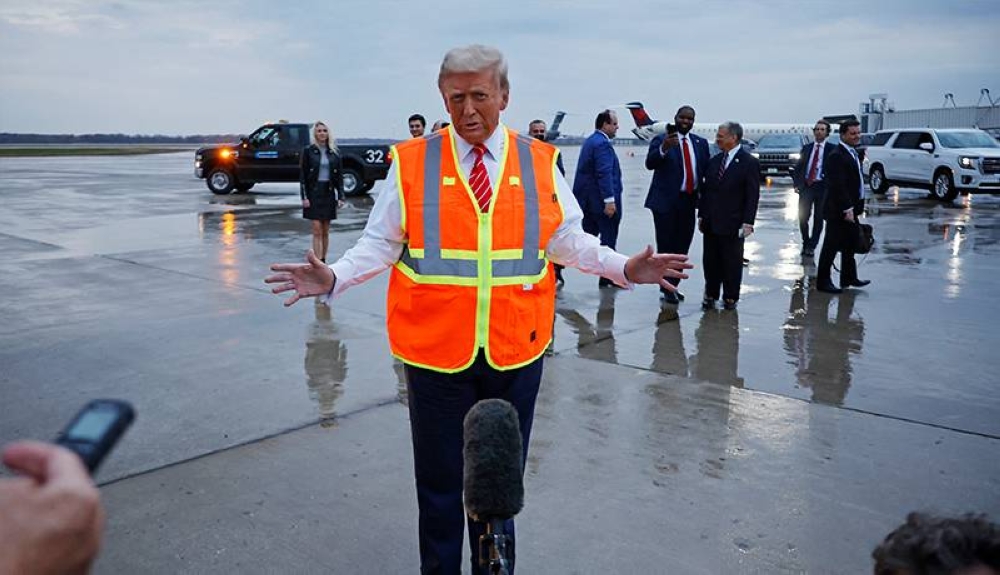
{"points": [[74, 66]]}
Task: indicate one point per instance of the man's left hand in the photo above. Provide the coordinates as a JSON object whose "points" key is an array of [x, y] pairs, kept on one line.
{"points": [[609, 209], [648, 267]]}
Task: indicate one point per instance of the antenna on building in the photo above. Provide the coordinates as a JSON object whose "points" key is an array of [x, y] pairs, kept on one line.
{"points": [[949, 97], [985, 92]]}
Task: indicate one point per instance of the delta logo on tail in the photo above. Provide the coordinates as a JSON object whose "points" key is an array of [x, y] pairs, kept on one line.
{"points": [[647, 128]]}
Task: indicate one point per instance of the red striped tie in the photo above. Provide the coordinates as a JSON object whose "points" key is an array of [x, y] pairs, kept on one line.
{"points": [[479, 180]]}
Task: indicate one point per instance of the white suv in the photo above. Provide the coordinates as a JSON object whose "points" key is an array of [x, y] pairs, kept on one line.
{"points": [[945, 161]]}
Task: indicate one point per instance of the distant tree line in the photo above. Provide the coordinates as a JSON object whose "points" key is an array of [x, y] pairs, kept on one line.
{"points": [[11, 138]]}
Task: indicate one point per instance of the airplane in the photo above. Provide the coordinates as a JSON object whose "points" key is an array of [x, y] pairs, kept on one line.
{"points": [[552, 134], [646, 128]]}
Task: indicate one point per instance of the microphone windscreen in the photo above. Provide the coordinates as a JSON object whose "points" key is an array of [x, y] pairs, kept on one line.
{"points": [[493, 478]]}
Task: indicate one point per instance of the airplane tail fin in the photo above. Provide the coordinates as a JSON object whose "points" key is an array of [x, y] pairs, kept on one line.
{"points": [[553, 132], [639, 114]]}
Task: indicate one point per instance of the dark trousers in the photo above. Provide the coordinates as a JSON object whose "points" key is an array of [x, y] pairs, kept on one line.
{"points": [[836, 238], [605, 228], [675, 228], [811, 205], [722, 258], [438, 403]]}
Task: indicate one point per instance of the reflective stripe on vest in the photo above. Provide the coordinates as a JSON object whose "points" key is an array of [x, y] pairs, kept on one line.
{"points": [[431, 262]]}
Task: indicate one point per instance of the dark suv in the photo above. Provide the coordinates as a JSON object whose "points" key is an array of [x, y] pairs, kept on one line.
{"points": [[271, 154], [778, 153]]}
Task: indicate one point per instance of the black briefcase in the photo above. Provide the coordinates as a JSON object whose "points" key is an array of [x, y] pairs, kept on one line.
{"points": [[860, 238]]}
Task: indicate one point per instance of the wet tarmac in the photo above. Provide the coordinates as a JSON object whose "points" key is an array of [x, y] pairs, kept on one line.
{"points": [[710, 442]]}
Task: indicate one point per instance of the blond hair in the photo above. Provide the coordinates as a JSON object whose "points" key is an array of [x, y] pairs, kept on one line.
{"points": [[330, 142]]}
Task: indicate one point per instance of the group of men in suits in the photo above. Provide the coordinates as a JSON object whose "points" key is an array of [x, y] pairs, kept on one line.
{"points": [[830, 187], [720, 195]]}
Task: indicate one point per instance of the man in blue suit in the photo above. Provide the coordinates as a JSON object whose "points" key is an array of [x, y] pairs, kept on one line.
{"points": [[678, 160], [598, 184], [810, 184]]}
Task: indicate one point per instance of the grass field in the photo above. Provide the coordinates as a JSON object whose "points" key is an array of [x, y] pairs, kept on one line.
{"points": [[85, 151]]}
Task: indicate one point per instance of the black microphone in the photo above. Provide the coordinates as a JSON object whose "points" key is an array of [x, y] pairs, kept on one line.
{"points": [[493, 478]]}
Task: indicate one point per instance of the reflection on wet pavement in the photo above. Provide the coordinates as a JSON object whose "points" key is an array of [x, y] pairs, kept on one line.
{"points": [[325, 364], [821, 348]]}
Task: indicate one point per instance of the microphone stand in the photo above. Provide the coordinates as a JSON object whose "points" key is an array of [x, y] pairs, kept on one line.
{"points": [[493, 548]]}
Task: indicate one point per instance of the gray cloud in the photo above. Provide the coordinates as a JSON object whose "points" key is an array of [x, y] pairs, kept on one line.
{"points": [[226, 66]]}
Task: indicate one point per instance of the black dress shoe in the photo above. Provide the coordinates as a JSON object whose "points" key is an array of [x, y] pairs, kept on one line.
{"points": [[670, 297], [679, 295], [729, 304], [707, 304], [856, 283], [829, 288]]}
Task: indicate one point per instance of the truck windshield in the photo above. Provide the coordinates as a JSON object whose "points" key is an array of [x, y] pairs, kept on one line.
{"points": [[780, 141], [967, 140]]}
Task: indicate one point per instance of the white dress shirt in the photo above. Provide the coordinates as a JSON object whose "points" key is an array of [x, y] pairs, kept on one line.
{"points": [[728, 159], [818, 148], [381, 243], [685, 139]]}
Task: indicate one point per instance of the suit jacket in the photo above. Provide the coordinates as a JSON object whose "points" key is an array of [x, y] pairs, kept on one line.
{"points": [[598, 174], [726, 204], [843, 185], [805, 157], [668, 172]]}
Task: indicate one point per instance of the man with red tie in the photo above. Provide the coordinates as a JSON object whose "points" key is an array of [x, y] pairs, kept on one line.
{"points": [[678, 160], [810, 184], [468, 221]]}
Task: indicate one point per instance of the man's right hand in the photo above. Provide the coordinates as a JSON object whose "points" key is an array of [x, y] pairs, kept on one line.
{"points": [[310, 279], [609, 209], [305, 202], [52, 515], [670, 141], [849, 216]]}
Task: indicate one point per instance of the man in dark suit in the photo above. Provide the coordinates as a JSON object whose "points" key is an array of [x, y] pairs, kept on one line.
{"points": [[726, 213], [598, 184], [811, 185], [844, 203], [678, 160]]}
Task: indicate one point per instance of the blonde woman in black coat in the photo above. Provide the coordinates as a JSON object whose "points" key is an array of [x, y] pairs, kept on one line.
{"points": [[320, 186]]}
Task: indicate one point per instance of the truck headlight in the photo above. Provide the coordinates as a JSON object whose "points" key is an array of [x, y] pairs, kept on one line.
{"points": [[967, 162], [794, 156]]}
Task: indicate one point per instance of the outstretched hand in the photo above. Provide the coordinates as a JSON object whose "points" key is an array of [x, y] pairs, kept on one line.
{"points": [[310, 279], [647, 267]]}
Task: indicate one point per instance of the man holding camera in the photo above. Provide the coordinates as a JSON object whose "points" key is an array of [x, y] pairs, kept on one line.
{"points": [[678, 161], [51, 517]]}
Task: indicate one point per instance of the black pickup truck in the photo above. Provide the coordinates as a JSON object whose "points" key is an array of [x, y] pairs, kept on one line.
{"points": [[271, 154]]}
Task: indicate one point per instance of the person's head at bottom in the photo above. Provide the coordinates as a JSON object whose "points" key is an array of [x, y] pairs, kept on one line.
{"points": [[930, 545]]}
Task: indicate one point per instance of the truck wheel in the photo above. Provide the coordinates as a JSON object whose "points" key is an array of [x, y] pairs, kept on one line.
{"points": [[876, 180], [944, 187], [352, 182], [244, 187], [220, 181]]}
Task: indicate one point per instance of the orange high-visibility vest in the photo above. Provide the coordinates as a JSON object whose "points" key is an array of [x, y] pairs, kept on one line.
{"points": [[469, 280]]}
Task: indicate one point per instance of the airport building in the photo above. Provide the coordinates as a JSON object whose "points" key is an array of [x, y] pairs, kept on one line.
{"points": [[878, 113]]}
